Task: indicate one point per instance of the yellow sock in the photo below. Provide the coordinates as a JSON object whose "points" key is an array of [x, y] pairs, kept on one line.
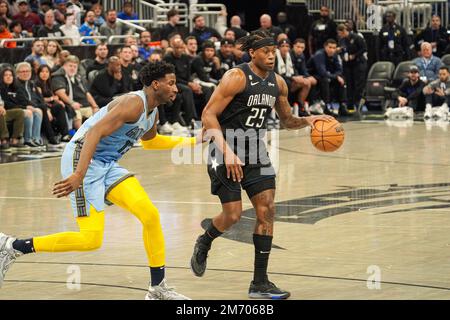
{"points": [[131, 196], [89, 238]]}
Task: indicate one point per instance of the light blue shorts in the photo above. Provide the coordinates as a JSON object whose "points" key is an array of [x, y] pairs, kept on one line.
{"points": [[100, 178]]}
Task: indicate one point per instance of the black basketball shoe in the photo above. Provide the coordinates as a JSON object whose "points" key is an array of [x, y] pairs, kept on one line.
{"points": [[267, 290], [198, 260]]}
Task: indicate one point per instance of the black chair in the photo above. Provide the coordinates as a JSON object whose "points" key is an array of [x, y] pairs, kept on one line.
{"points": [[380, 76], [446, 60]]}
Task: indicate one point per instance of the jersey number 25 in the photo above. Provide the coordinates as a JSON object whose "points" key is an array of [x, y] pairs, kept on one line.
{"points": [[256, 119]]}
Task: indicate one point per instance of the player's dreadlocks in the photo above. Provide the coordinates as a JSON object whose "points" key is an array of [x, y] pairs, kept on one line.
{"points": [[155, 71], [255, 40]]}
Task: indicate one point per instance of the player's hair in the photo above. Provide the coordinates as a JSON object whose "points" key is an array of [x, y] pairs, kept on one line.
{"points": [[329, 41], [248, 41], [154, 71]]}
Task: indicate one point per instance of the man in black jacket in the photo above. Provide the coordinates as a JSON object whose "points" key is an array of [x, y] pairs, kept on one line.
{"points": [[394, 43], [353, 52], [109, 83], [435, 34], [321, 30], [202, 32], [185, 85], [206, 66], [327, 68]]}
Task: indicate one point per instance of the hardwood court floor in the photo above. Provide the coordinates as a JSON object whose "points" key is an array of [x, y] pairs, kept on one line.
{"points": [[380, 202]]}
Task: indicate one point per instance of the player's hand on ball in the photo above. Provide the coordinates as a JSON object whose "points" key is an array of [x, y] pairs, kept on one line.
{"points": [[65, 187], [312, 119], [234, 167]]}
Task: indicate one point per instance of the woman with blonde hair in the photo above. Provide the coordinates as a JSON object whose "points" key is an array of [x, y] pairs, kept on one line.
{"points": [[51, 53]]}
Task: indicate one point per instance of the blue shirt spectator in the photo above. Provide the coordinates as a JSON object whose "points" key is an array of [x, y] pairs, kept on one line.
{"points": [[428, 64]]}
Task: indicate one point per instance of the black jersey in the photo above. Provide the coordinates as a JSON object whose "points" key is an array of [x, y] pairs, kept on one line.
{"points": [[244, 120]]}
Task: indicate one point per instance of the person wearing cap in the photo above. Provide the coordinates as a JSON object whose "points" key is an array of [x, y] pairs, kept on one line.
{"points": [[206, 66], [202, 32], [27, 18], [428, 64], [353, 52], [127, 12], [226, 56], [410, 91]]}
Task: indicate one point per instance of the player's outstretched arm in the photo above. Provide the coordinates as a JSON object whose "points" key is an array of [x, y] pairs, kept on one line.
{"points": [[151, 140], [232, 83], [283, 109], [125, 109]]}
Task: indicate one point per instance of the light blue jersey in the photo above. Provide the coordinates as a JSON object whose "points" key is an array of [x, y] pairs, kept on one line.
{"points": [[114, 146], [104, 173]]}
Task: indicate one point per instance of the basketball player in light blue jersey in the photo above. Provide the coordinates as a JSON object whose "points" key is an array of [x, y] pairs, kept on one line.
{"points": [[92, 175]]}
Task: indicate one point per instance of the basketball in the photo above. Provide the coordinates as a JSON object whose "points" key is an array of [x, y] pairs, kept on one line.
{"points": [[327, 136]]}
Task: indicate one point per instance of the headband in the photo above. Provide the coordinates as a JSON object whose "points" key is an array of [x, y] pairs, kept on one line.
{"points": [[263, 43]]}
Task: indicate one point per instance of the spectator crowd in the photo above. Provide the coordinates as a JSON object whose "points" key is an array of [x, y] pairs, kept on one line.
{"points": [[45, 99]]}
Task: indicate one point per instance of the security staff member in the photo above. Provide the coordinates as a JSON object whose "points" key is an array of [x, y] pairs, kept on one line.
{"points": [[353, 52], [394, 43], [321, 30]]}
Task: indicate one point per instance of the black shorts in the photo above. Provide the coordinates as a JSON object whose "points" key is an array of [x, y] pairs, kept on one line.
{"points": [[256, 179]]}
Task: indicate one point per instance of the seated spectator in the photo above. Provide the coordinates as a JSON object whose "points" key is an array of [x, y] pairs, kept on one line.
{"points": [[230, 34], [49, 28], [14, 117], [57, 109], [112, 27], [173, 18], [61, 11], [145, 47], [71, 90], [109, 83], [206, 66], [129, 71], [5, 34], [435, 34], [35, 100], [137, 60], [51, 53], [27, 18], [89, 28], [235, 25], [61, 59], [16, 99], [37, 53], [98, 11], [127, 12], [130, 41], [299, 85], [321, 30], [285, 26], [18, 33], [191, 46], [70, 29], [437, 93], [44, 6], [202, 33], [410, 91], [241, 56], [185, 85], [265, 22], [101, 59], [428, 64], [326, 67], [282, 36], [4, 11], [226, 56]]}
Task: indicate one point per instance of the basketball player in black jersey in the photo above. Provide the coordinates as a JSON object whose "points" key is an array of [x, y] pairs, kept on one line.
{"points": [[235, 119]]}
